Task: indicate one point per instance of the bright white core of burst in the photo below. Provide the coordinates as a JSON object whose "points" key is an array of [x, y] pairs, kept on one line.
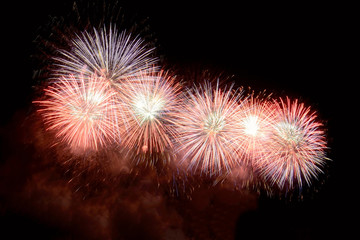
{"points": [[214, 122], [148, 107], [251, 125], [88, 109], [289, 132]]}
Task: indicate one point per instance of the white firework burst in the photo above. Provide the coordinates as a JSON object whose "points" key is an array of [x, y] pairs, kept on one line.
{"points": [[105, 52]]}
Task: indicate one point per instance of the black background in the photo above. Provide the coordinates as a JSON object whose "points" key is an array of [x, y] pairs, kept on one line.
{"points": [[293, 50]]}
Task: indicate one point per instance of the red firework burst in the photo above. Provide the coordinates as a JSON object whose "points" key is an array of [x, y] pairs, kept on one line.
{"points": [[83, 112], [207, 130], [296, 150], [254, 124], [151, 109]]}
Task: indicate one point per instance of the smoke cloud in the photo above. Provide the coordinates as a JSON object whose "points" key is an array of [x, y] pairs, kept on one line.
{"points": [[49, 192]]}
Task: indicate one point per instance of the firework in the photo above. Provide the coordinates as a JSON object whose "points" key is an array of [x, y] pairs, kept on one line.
{"points": [[83, 112], [116, 56], [255, 121], [207, 130], [152, 106], [296, 151]]}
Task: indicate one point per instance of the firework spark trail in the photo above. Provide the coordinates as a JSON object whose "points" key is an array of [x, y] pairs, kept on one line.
{"points": [[117, 56], [83, 112], [296, 151], [255, 120], [207, 130], [152, 106]]}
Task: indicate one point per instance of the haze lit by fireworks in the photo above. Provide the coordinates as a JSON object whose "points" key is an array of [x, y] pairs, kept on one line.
{"points": [[152, 106], [207, 130], [105, 52], [296, 151], [82, 111]]}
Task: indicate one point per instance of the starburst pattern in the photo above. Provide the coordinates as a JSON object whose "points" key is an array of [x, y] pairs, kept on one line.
{"points": [[296, 152], [254, 123], [83, 112], [207, 132], [152, 106], [105, 52]]}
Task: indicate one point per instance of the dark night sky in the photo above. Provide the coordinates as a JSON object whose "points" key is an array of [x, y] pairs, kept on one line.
{"points": [[291, 50]]}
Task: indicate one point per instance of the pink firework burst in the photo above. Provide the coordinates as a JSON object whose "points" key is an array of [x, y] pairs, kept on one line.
{"points": [[151, 108], [83, 112], [207, 129], [296, 152], [254, 125]]}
